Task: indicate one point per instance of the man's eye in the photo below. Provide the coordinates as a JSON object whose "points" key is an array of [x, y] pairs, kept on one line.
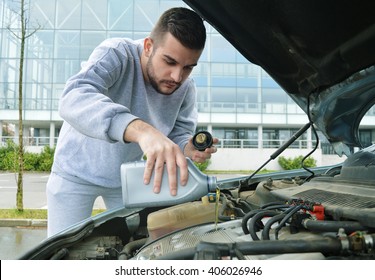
{"points": [[170, 62]]}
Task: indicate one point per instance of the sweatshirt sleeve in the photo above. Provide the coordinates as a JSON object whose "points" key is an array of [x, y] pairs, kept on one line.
{"points": [[85, 103], [187, 118]]}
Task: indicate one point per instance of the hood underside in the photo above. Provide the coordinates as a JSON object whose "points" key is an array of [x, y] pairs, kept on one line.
{"points": [[308, 48]]}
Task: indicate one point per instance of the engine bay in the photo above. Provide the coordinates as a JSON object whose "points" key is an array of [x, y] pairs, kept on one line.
{"points": [[331, 216]]}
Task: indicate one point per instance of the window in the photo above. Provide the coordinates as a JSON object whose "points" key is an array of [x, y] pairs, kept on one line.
{"points": [[237, 137]]}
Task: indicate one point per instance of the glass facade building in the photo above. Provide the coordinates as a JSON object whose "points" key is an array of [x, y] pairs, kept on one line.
{"points": [[237, 100]]}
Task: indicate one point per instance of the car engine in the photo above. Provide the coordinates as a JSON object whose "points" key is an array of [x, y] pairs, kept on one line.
{"points": [[330, 215]]}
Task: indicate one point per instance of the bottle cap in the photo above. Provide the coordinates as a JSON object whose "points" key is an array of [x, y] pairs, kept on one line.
{"points": [[202, 140]]}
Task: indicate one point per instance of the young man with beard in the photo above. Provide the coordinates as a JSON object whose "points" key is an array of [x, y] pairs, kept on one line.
{"points": [[131, 98]]}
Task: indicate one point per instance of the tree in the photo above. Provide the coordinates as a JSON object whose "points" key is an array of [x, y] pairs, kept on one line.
{"points": [[22, 37]]}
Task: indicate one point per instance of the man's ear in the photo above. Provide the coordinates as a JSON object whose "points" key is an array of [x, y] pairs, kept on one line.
{"points": [[148, 46]]}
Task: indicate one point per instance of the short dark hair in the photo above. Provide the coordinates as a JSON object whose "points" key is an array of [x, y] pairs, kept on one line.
{"points": [[184, 24]]}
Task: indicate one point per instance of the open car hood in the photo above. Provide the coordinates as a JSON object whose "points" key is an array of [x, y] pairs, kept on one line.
{"points": [[320, 52]]}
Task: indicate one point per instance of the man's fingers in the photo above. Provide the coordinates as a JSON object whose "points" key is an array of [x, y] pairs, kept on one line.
{"points": [[148, 170], [184, 172], [172, 170], [158, 175], [162, 159], [172, 176]]}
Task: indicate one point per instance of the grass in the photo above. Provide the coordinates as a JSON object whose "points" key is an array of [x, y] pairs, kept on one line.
{"points": [[31, 213]]}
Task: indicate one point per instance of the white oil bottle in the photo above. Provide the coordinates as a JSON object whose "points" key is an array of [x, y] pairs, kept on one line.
{"points": [[136, 194]]}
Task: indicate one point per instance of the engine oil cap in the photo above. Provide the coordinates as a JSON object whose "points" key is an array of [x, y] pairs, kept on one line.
{"points": [[202, 140]]}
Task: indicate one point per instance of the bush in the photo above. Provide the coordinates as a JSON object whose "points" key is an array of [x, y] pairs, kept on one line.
{"points": [[202, 166], [296, 163], [46, 158], [9, 161], [32, 161], [8, 156]]}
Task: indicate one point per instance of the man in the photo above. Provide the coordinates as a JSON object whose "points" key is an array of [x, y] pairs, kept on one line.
{"points": [[131, 98]]}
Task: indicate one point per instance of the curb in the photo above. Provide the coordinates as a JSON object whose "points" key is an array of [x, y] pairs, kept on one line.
{"points": [[23, 223]]}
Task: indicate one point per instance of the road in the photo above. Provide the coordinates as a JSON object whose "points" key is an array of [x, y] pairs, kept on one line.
{"points": [[34, 194], [34, 191]]}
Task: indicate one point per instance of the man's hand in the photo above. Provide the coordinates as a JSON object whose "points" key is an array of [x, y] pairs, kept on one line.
{"points": [[159, 150], [200, 156]]}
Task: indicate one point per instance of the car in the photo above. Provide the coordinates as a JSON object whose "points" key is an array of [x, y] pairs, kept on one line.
{"points": [[322, 54]]}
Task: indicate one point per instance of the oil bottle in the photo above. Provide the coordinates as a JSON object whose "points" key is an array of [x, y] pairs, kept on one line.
{"points": [[136, 194]]}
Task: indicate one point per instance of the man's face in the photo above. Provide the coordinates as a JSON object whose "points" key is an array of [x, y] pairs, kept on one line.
{"points": [[169, 64]]}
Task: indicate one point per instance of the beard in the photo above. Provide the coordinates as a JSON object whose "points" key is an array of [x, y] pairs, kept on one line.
{"points": [[150, 72]]}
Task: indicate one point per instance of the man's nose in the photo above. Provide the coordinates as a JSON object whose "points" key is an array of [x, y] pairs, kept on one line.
{"points": [[176, 74]]}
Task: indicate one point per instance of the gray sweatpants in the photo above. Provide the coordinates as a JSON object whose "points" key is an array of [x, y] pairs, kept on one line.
{"points": [[70, 202]]}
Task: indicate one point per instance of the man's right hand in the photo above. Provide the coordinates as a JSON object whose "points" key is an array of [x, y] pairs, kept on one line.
{"points": [[159, 150]]}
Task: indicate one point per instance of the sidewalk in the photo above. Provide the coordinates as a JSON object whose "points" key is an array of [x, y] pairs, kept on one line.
{"points": [[23, 223], [17, 236]]}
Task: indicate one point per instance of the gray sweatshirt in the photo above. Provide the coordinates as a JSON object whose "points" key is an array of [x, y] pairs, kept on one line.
{"points": [[100, 101]]}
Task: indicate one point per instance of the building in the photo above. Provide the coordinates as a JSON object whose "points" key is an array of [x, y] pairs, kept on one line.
{"points": [[238, 101]]}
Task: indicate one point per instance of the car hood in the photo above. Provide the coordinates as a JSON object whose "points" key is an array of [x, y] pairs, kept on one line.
{"points": [[320, 52]]}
